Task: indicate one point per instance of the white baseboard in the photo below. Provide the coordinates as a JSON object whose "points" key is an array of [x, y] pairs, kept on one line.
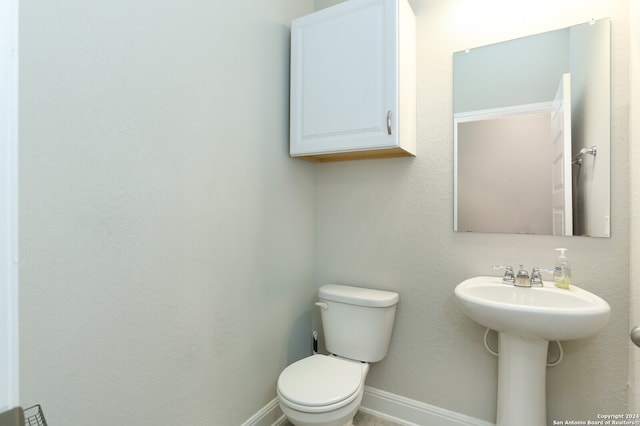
{"points": [[389, 406], [410, 412], [269, 415]]}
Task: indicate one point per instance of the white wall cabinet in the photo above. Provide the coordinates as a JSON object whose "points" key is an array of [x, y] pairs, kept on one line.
{"points": [[353, 81]]}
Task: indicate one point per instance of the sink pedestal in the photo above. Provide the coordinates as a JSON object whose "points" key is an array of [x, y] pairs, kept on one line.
{"points": [[526, 320], [522, 372]]}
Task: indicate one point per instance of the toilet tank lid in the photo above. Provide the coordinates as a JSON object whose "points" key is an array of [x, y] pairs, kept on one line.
{"points": [[358, 296]]}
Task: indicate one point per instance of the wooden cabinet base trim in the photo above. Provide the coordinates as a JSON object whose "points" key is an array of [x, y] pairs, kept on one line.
{"points": [[357, 155]]}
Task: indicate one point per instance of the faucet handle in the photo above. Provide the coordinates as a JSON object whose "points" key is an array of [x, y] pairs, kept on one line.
{"points": [[536, 275], [509, 277]]}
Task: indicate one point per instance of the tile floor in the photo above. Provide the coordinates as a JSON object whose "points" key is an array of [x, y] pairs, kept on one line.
{"points": [[363, 419]]}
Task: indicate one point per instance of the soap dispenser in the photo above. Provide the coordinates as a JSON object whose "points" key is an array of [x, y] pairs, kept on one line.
{"points": [[562, 270]]}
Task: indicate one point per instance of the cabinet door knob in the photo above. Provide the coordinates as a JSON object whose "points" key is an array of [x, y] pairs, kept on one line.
{"points": [[389, 122], [635, 335]]}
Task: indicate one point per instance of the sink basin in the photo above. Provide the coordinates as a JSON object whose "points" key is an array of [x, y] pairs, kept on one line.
{"points": [[547, 312], [526, 319]]}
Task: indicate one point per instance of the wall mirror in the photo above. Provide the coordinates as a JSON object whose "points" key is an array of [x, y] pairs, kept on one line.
{"points": [[532, 134]]}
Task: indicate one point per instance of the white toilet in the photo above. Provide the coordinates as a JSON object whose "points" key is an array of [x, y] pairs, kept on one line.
{"points": [[326, 390]]}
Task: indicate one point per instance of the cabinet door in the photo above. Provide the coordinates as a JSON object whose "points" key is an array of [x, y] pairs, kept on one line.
{"points": [[343, 78]]}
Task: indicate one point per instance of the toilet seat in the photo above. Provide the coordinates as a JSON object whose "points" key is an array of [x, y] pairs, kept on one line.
{"points": [[321, 383]]}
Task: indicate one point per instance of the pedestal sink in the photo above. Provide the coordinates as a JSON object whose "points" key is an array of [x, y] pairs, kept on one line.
{"points": [[526, 319]]}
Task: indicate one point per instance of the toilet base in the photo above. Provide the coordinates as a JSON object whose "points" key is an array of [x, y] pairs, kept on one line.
{"points": [[349, 423], [299, 423], [315, 415], [341, 417]]}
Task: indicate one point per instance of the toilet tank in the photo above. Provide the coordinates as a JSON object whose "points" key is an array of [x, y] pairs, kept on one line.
{"points": [[357, 321]]}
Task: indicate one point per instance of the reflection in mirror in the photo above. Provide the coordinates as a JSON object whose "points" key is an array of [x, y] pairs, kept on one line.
{"points": [[532, 134]]}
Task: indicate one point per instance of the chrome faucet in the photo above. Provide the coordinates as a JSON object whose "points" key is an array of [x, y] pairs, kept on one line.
{"points": [[509, 277], [536, 276], [522, 278]]}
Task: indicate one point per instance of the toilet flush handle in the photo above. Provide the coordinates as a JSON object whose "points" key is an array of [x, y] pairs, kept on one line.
{"points": [[322, 305]]}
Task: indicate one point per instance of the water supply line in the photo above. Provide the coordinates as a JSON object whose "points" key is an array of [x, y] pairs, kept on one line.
{"points": [[549, 364]]}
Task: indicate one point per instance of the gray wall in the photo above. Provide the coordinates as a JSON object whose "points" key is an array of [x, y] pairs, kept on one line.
{"points": [[166, 237], [388, 224]]}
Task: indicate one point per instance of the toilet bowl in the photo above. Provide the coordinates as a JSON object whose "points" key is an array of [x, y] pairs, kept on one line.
{"points": [[322, 390], [326, 390]]}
